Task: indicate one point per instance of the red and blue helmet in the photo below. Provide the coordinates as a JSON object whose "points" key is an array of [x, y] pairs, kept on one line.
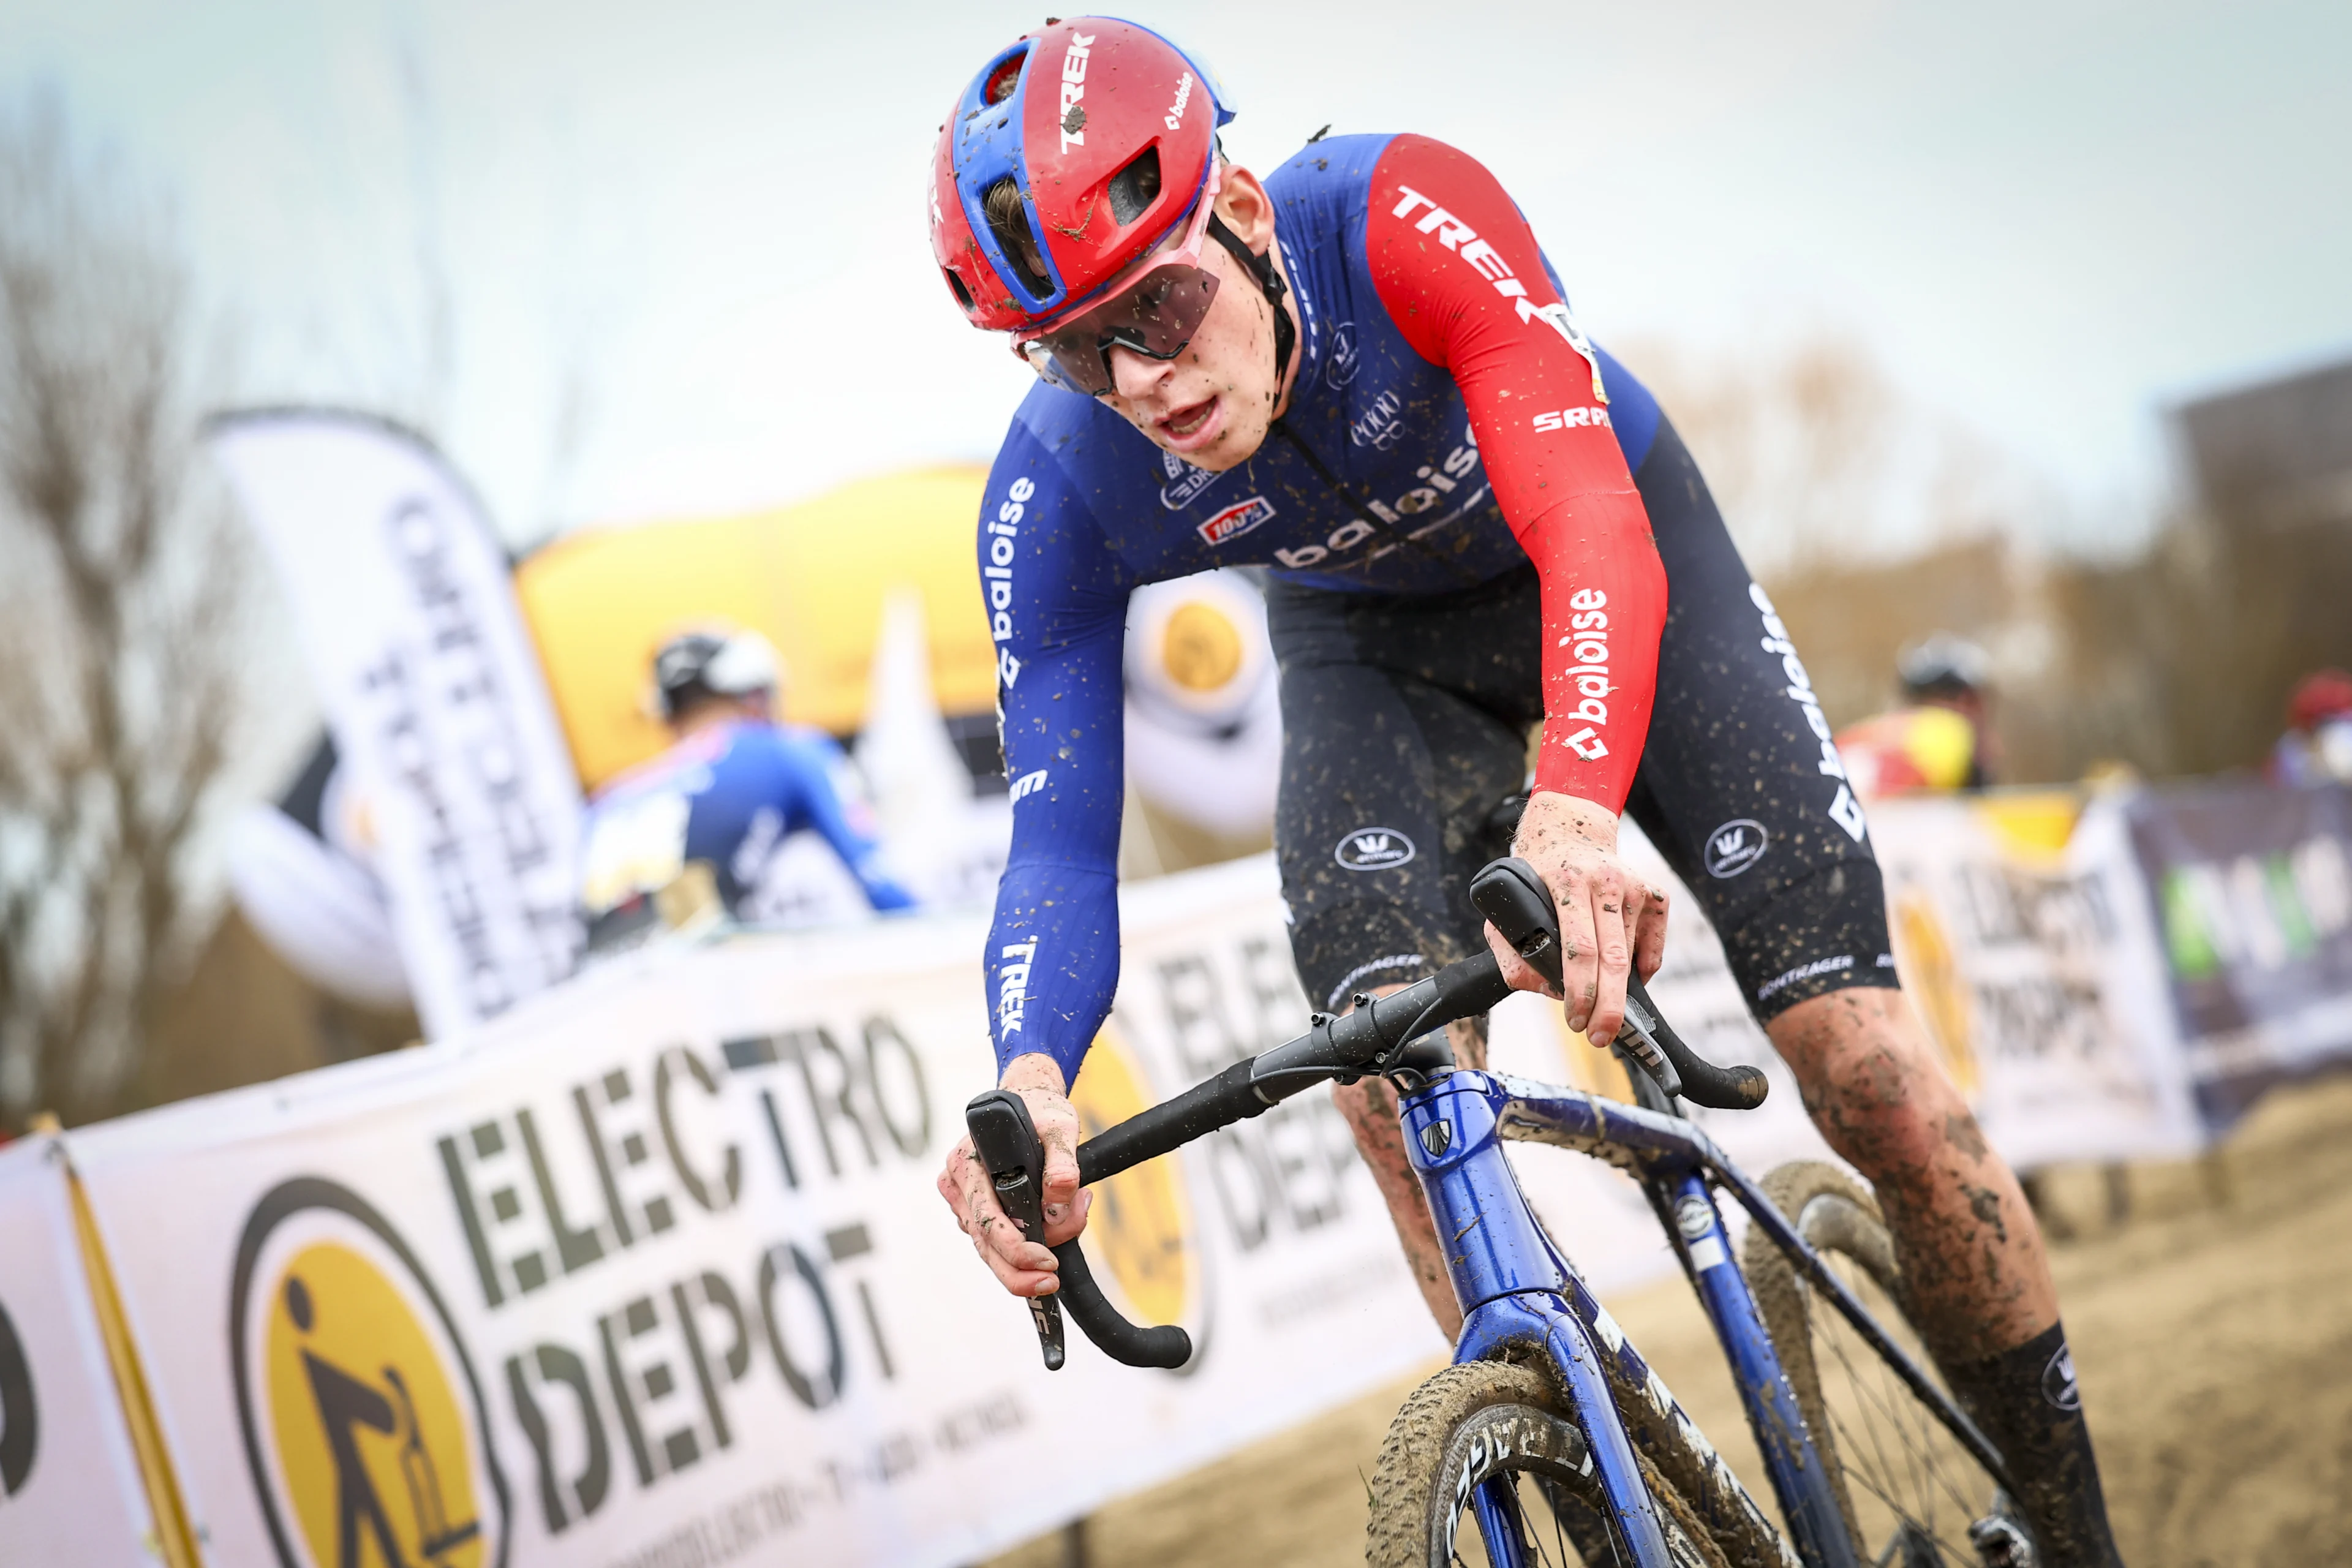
{"points": [[1104, 130]]}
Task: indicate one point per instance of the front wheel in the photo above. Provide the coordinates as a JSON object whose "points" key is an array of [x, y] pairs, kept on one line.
{"points": [[1487, 1422]]}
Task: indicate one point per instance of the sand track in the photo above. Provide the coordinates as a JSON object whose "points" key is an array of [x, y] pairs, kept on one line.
{"points": [[2212, 1333]]}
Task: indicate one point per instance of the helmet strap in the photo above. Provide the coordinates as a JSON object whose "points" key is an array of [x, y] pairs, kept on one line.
{"points": [[1285, 336]]}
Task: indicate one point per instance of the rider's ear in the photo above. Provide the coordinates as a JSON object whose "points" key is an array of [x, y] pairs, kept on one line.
{"points": [[1245, 209]]}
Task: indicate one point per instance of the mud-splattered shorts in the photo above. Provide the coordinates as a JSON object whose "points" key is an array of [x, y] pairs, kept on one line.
{"points": [[1405, 722]]}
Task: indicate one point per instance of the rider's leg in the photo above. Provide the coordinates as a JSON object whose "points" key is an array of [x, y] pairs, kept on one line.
{"points": [[1973, 1258], [1404, 723], [1976, 1278], [1370, 1107], [1743, 792]]}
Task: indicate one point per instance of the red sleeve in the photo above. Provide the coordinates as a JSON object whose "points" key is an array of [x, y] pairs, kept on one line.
{"points": [[1459, 271]]}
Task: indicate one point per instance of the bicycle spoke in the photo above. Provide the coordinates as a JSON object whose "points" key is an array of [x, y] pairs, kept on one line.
{"points": [[1891, 1444]]}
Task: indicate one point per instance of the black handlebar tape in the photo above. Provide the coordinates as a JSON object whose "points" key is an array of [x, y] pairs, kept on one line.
{"points": [[1198, 1111], [1738, 1088], [1467, 987], [1169, 1347]]}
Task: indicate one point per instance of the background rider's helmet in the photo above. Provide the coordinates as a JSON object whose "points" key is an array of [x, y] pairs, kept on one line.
{"points": [[2322, 695], [1943, 666], [711, 661], [1073, 152]]}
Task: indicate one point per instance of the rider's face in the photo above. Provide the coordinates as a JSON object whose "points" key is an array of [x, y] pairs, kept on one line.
{"points": [[1212, 404]]}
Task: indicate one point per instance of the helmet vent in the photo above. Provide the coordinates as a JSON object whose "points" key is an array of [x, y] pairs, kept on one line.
{"points": [[1133, 187], [1008, 218], [1004, 79], [963, 294]]}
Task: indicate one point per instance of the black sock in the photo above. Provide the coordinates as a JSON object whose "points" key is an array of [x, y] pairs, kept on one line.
{"points": [[2027, 1402]]}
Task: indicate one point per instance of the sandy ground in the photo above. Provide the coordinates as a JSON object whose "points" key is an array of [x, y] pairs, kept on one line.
{"points": [[2212, 1332]]}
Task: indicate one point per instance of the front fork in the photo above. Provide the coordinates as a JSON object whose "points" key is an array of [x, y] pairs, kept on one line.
{"points": [[1517, 1289], [1509, 1281]]}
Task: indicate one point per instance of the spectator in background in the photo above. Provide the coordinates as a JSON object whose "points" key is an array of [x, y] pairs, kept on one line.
{"points": [[701, 821], [2317, 745], [1941, 739]]}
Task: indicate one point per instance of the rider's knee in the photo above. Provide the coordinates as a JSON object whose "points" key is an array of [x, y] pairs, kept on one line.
{"points": [[1872, 1080]]}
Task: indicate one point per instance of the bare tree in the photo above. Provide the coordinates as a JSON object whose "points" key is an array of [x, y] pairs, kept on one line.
{"points": [[120, 580]]}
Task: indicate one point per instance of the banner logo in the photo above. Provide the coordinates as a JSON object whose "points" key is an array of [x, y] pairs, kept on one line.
{"points": [[20, 1424], [363, 1422]]}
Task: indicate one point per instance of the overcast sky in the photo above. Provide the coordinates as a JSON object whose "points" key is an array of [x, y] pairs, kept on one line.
{"points": [[699, 227]]}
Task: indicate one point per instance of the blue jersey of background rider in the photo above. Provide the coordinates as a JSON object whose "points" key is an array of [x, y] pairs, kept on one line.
{"points": [[1371, 483], [729, 795]]}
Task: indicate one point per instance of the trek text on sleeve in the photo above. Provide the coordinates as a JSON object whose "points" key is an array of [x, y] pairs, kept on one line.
{"points": [[1462, 278]]}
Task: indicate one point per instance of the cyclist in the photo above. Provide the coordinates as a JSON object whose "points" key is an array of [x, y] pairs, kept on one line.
{"points": [[2318, 746], [1941, 738], [1362, 374], [733, 785]]}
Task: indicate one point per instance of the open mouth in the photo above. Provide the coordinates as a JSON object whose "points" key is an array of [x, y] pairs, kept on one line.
{"points": [[1188, 420]]}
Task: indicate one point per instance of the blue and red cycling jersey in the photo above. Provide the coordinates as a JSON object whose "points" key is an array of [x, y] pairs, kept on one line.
{"points": [[729, 795], [1449, 424]]}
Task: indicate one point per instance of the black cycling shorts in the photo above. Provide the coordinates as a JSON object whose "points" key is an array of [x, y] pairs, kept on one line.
{"points": [[1405, 724]]}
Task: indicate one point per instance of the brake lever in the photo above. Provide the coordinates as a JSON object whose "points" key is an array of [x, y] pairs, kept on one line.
{"points": [[1513, 898], [1640, 1038], [1007, 1141]]}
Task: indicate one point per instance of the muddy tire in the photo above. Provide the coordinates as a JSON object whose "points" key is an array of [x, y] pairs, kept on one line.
{"points": [[1896, 1472], [1488, 1420]]}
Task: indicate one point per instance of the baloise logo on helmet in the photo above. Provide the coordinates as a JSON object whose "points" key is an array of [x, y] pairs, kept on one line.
{"points": [[363, 1422]]}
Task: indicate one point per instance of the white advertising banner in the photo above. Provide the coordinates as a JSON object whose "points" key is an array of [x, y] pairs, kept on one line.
{"points": [[434, 691], [652, 1271], [70, 1486], [2023, 941], [2035, 968]]}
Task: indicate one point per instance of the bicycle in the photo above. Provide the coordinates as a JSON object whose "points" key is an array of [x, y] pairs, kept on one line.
{"points": [[1548, 1429]]}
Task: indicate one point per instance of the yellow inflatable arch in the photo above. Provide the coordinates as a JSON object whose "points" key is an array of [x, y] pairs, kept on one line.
{"points": [[812, 576]]}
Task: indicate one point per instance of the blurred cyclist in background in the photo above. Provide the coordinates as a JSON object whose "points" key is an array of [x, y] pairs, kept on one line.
{"points": [[700, 824], [1941, 739], [2317, 745]]}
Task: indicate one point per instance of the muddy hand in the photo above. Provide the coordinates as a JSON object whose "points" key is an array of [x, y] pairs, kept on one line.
{"points": [[1610, 920], [1024, 1266]]}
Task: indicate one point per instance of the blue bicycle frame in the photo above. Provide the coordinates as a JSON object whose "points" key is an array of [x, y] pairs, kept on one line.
{"points": [[1519, 1294]]}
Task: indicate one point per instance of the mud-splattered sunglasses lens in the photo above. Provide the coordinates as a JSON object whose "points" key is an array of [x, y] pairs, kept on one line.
{"points": [[1157, 318]]}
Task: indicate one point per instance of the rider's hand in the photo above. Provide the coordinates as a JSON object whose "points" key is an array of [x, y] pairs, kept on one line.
{"points": [[1609, 916], [1025, 1267]]}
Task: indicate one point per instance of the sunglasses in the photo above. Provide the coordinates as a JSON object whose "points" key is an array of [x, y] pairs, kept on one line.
{"points": [[1154, 307]]}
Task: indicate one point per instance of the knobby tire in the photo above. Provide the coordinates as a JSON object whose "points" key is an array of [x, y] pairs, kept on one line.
{"points": [[1456, 1422]]}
